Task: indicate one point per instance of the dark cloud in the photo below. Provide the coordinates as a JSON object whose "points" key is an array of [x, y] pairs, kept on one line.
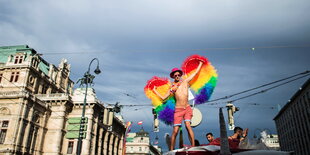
{"points": [[135, 40]]}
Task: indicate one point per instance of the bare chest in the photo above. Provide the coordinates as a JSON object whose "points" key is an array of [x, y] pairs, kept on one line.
{"points": [[180, 89]]}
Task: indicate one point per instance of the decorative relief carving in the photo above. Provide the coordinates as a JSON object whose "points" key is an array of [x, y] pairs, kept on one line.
{"points": [[5, 111]]}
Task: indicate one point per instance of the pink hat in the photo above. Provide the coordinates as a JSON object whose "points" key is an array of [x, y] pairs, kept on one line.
{"points": [[175, 70]]}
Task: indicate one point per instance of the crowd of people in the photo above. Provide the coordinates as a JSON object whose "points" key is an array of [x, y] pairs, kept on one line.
{"points": [[234, 140]]}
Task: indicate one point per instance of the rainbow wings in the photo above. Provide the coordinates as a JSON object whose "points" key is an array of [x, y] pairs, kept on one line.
{"points": [[202, 84], [164, 108]]}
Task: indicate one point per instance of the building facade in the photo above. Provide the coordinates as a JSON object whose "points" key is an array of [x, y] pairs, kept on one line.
{"points": [[100, 137], [272, 142], [293, 122], [139, 143], [39, 111]]}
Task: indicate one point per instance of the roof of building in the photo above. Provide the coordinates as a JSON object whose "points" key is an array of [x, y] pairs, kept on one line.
{"points": [[302, 88], [142, 133], [6, 51]]}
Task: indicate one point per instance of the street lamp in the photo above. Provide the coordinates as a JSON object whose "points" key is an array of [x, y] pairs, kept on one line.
{"points": [[87, 79]]}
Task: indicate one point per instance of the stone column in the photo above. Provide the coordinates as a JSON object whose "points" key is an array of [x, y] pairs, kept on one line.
{"points": [[20, 126], [27, 130], [41, 134], [40, 88], [111, 144], [95, 137], [115, 146], [100, 140], [120, 146], [55, 125], [35, 85], [106, 143]]}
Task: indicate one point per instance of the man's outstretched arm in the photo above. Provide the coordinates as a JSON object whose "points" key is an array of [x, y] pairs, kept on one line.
{"points": [[245, 133], [158, 94], [188, 79]]}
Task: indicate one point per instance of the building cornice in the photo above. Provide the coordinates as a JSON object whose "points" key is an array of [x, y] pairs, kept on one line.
{"points": [[293, 98]]}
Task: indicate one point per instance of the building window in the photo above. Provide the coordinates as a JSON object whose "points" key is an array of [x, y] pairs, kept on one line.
{"points": [[5, 124], [44, 89], [3, 130], [2, 135], [1, 75], [70, 147], [140, 149], [18, 59], [34, 63], [31, 80], [14, 77]]}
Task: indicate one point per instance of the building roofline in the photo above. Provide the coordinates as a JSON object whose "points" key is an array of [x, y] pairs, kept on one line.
{"points": [[302, 88], [19, 48], [14, 47]]}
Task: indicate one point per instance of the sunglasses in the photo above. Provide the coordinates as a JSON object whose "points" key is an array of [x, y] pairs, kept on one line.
{"points": [[177, 75]]}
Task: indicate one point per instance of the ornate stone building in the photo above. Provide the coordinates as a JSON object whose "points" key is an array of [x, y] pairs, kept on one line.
{"points": [[139, 143], [99, 140], [272, 142], [39, 112]]}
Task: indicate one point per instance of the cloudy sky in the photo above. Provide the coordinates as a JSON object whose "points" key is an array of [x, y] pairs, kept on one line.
{"points": [[135, 40]]}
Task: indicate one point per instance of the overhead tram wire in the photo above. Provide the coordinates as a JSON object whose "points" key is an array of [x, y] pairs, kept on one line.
{"points": [[305, 73], [213, 103], [178, 50], [265, 90]]}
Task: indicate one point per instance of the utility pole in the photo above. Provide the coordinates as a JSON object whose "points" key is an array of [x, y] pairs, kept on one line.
{"points": [[223, 134], [87, 79]]}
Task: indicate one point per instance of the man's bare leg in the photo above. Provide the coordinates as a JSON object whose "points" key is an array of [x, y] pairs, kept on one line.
{"points": [[190, 132], [173, 136]]}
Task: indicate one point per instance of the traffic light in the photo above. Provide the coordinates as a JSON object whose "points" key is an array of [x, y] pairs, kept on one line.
{"points": [[156, 121], [231, 109]]}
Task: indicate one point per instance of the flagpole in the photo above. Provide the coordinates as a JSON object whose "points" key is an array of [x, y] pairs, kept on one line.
{"points": [[128, 126], [140, 123]]}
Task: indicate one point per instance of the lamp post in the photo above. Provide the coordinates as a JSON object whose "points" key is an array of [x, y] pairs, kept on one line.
{"points": [[87, 79]]}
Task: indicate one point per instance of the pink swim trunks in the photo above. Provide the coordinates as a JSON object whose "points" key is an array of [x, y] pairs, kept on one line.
{"points": [[182, 113]]}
